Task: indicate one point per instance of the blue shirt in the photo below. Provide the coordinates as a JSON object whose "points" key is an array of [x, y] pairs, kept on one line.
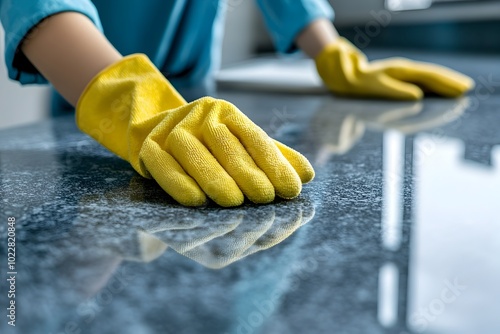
{"points": [[182, 37]]}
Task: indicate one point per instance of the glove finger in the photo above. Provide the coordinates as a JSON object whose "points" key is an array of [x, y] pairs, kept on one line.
{"points": [[170, 175], [299, 162], [388, 87], [201, 165], [266, 155], [434, 78], [235, 159]]}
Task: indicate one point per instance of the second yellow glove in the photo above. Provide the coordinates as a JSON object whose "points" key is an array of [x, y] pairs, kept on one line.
{"points": [[346, 71], [193, 150]]}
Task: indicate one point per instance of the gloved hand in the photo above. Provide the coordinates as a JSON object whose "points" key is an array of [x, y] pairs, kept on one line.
{"points": [[193, 150], [346, 71]]}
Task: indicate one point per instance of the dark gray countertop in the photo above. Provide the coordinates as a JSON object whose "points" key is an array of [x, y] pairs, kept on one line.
{"points": [[398, 233]]}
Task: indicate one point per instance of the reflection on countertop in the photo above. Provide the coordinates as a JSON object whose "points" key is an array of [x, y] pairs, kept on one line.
{"points": [[212, 236], [398, 233]]}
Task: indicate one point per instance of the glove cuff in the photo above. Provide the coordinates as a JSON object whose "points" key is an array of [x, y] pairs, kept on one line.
{"points": [[116, 105], [341, 44], [336, 64]]}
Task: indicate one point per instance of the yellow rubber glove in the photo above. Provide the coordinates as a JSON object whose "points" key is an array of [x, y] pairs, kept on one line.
{"points": [[193, 150], [346, 71]]}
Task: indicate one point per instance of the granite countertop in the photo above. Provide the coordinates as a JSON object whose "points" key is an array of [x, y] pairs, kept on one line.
{"points": [[398, 233]]}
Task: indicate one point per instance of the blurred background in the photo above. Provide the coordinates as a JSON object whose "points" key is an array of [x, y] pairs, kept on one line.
{"points": [[466, 26]]}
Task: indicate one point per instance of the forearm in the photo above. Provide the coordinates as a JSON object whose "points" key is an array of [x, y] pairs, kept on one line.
{"points": [[316, 36], [69, 51]]}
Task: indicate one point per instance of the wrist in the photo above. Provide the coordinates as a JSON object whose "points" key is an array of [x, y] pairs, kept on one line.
{"points": [[316, 37], [69, 51]]}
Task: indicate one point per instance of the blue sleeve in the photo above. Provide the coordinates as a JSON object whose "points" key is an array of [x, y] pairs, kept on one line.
{"points": [[286, 18], [18, 17]]}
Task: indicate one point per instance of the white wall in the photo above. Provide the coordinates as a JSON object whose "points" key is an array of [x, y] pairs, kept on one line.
{"points": [[359, 12], [241, 32], [19, 105]]}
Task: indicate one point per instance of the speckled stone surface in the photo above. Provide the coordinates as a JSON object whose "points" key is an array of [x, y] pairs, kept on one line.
{"points": [[398, 233]]}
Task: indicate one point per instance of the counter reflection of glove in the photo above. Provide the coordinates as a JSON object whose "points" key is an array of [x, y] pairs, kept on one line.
{"points": [[218, 238], [346, 71], [212, 236], [193, 150], [340, 123]]}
